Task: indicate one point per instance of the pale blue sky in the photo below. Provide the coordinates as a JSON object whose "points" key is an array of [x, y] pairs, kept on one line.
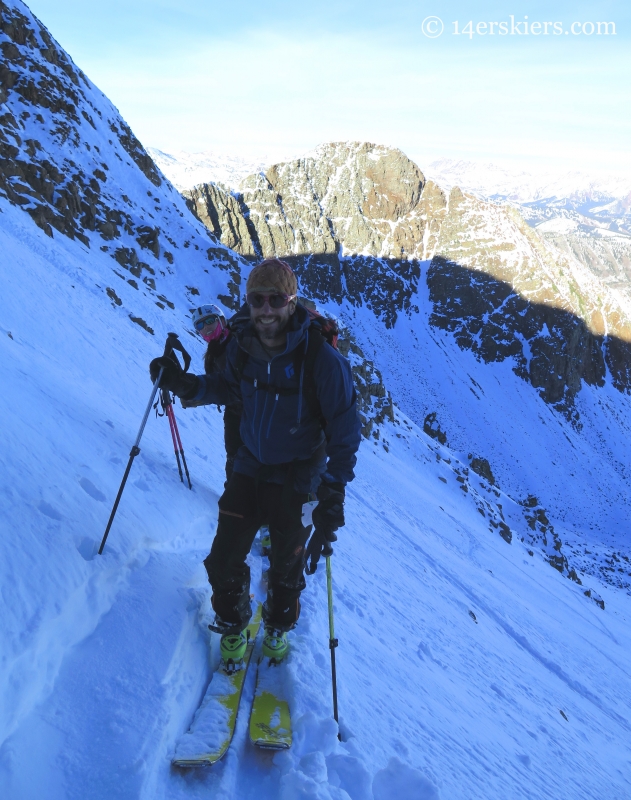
{"points": [[279, 78]]}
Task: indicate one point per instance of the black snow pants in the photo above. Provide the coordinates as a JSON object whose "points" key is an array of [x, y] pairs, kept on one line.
{"points": [[246, 504], [231, 437]]}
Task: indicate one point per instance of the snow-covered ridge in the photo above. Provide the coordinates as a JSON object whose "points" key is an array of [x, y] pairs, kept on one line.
{"points": [[71, 162], [186, 170], [583, 215]]}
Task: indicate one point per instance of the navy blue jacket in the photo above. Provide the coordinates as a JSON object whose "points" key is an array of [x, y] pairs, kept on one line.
{"points": [[280, 428]]}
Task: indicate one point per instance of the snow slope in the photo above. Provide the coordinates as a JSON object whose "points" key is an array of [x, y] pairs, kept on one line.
{"points": [[105, 658], [467, 666], [581, 476]]}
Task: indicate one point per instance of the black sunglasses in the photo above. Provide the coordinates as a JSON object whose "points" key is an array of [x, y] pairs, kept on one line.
{"points": [[277, 300]]}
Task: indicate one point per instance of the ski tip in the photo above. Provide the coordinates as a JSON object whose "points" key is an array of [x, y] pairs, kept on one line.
{"points": [[265, 745], [188, 763]]}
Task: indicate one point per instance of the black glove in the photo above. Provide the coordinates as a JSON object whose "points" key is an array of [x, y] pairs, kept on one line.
{"points": [[327, 517], [319, 545], [329, 513], [174, 379]]}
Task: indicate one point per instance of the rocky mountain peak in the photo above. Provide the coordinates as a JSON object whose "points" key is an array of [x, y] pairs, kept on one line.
{"points": [[361, 224], [379, 182], [356, 196]]}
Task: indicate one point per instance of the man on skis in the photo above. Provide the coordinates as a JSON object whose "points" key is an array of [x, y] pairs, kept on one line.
{"points": [[300, 432]]}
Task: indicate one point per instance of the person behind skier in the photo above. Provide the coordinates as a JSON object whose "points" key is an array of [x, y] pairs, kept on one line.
{"points": [[294, 444], [210, 324]]}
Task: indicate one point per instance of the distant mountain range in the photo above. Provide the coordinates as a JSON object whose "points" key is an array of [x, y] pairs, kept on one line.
{"points": [[186, 170], [484, 179], [495, 182]]}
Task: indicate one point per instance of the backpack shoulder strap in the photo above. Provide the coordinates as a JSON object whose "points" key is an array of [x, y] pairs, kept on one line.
{"points": [[240, 360], [315, 341]]}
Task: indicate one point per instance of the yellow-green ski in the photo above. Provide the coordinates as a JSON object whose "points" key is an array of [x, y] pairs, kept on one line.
{"points": [[270, 723], [213, 726]]}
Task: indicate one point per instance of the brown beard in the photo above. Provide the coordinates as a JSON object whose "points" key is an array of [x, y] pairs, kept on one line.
{"points": [[278, 331]]}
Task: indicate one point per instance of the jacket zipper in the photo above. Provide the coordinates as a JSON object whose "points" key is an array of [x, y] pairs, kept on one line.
{"points": [[271, 416]]}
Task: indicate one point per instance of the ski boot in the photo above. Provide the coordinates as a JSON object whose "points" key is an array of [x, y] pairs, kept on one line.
{"points": [[232, 649], [266, 542], [275, 645]]}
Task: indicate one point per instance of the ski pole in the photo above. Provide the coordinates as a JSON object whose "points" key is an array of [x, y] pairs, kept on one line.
{"points": [[333, 642], [168, 408], [172, 343], [134, 452], [179, 441]]}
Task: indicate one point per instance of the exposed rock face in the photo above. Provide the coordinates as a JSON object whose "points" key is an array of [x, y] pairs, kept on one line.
{"points": [[48, 107], [357, 220], [357, 196], [504, 294], [334, 215], [224, 216]]}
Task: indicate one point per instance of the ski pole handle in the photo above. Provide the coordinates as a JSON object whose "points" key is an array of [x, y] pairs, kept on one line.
{"points": [[148, 409]]}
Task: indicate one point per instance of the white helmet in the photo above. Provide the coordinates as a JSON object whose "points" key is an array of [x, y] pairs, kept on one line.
{"points": [[206, 311], [220, 331]]}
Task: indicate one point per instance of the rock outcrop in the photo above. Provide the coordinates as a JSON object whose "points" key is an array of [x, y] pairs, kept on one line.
{"points": [[374, 401], [359, 222], [62, 146], [335, 215], [224, 216]]}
